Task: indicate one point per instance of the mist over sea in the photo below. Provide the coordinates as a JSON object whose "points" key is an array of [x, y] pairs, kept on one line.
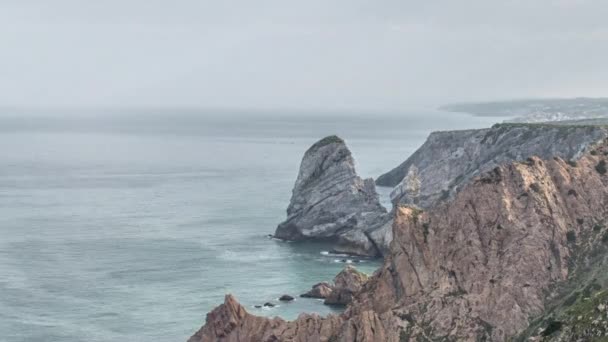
{"points": [[131, 226]]}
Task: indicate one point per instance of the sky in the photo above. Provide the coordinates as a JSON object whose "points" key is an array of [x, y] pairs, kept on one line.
{"points": [[312, 54]]}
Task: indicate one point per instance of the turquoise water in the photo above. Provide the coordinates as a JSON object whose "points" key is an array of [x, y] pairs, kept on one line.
{"points": [[131, 227]]}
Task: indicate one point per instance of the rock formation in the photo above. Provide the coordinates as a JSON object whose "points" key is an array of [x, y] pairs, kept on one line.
{"points": [[330, 202], [321, 290], [346, 284], [448, 160], [477, 267]]}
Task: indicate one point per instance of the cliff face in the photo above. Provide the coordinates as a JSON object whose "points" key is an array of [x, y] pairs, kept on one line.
{"points": [[476, 267], [331, 202], [448, 160]]}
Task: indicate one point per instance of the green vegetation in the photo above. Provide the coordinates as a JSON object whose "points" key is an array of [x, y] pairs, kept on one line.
{"points": [[404, 335], [601, 167], [425, 231], [416, 214], [571, 236], [553, 327], [572, 163], [535, 187]]}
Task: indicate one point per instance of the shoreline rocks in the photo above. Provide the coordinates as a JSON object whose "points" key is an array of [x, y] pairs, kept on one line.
{"points": [[481, 265], [346, 284], [320, 291], [286, 298]]}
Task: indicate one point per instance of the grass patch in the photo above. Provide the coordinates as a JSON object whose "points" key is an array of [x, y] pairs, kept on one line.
{"points": [[571, 236], [425, 231], [535, 187], [601, 167], [554, 326]]}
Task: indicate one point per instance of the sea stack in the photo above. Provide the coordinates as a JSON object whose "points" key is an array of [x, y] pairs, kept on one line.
{"points": [[330, 202]]}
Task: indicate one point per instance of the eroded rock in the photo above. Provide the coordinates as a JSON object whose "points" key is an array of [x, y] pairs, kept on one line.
{"points": [[449, 160], [321, 290], [330, 202], [346, 284], [476, 267]]}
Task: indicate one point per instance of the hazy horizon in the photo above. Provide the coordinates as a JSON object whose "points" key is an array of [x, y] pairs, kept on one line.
{"points": [[314, 55]]}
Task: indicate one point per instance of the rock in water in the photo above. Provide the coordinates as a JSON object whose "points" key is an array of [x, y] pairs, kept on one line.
{"points": [[331, 202], [320, 290], [346, 284], [286, 298]]}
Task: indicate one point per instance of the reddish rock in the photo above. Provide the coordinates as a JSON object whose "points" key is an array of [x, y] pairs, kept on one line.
{"points": [[346, 284], [476, 267], [320, 290]]}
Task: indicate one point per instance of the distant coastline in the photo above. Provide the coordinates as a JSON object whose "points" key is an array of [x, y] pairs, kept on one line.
{"points": [[536, 110]]}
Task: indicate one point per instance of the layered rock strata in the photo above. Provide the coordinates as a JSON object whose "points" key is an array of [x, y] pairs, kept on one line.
{"points": [[330, 202], [477, 267], [449, 160]]}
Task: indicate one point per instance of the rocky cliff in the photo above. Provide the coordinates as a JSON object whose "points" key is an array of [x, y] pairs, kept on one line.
{"points": [[448, 160], [331, 202], [477, 267]]}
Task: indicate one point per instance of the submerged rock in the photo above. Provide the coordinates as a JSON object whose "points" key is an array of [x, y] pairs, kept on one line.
{"points": [[286, 298], [330, 202]]}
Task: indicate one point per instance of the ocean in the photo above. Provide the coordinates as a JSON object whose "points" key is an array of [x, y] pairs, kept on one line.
{"points": [[132, 225]]}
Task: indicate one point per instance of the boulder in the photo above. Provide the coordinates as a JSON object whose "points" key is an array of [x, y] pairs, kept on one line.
{"points": [[346, 284], [286, 298], [320, 290]]}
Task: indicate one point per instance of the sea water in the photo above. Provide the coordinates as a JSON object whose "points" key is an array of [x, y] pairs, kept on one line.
{"points": [[131, 226]]}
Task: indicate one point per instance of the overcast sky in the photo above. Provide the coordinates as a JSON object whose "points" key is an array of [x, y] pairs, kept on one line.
{"points": [[320, 54]]}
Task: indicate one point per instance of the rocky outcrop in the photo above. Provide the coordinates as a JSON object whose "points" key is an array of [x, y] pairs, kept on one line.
{"points": [[330, 202], [477, 267], [321, 290], [449, 160], [346, 284], [230, 322]]}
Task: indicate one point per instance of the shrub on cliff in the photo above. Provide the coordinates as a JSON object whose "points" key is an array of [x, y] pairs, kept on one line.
{"points": [[601, 167]]}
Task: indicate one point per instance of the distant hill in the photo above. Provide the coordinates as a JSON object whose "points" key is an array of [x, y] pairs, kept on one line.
{"points": [[537, 110]]}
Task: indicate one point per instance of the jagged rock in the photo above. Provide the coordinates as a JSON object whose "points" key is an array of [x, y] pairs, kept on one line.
{"points": [[330, 202], [230, 322], [346, 284], [448, 160], [286, 298], [479, 266], [320, 290]]}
